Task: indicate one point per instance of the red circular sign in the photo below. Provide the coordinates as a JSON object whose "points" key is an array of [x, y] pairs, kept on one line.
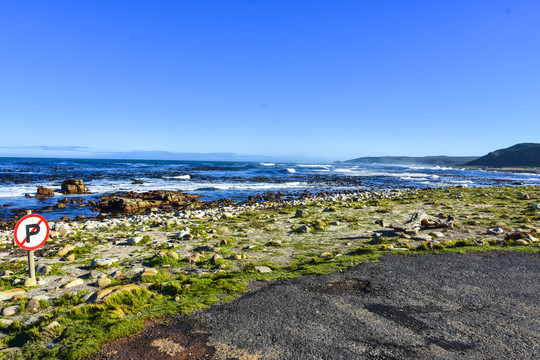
{"points": [[31, 232]]}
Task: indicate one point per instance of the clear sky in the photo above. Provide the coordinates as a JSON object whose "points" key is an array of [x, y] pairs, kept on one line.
{"points": [[328, 80]]}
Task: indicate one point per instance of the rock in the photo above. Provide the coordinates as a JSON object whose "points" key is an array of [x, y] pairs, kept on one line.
{"points": [[6, 322], [43, 191], [536, 207], [423, 237], [300, 214], [326, 254], [226, 216], [43, 269], [303, 229], [263, 269], [436, 234], [65, 250], [73, 283], [495, 231], [204, 248], [112, 291], [30, 282], [60, 206], [9, 294], [70, 257], [149, 272], [33, 305], [11, 310], [214, 258], [74, 186], [103, 282], [192, 259], [7, 273], [521, 242], [63, 231], [134, 240], [101, 262], [531, 238], [51, 326], [116, 274], [95, 274], [131, 201]]}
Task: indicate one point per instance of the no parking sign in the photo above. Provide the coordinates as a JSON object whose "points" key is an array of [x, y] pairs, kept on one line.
{"points": [[31, 232]]}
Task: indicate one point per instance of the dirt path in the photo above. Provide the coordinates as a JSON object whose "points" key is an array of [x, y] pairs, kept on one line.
{"points": [[450, 306]]}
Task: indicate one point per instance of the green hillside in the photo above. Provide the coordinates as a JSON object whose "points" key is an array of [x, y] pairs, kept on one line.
{"points": [[525, 154]]}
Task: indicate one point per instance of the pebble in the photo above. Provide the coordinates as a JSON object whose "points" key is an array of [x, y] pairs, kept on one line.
{"points": [[134, 240], [11, 310], [73, 283], [33, 305], [101, 262], [436, 234], [6, 322], [263, 269], [149, 272], [9, 294], [495, 231], [103, 282], [303, 229], [51, 326], [422, 238], [43, 269]]}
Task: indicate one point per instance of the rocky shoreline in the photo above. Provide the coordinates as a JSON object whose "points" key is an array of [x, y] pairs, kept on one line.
{"points": [[163, 255]]}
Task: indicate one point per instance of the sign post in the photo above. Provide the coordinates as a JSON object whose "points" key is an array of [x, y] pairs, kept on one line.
{"points": [[31, 232]]}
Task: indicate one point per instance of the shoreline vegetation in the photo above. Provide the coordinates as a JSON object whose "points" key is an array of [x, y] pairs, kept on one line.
{"points": [[101, 279]]}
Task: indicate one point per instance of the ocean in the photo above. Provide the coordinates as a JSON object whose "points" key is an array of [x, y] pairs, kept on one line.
{"points": [[218, 180]]}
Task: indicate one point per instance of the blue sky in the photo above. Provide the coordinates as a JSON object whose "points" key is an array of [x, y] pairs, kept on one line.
{"points": [[312, 80]]}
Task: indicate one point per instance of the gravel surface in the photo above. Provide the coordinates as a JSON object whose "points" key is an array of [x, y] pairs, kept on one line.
{"points": [[450, 306]]}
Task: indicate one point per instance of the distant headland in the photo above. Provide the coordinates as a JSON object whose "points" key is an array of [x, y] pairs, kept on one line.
{"points": [[517, 156]]}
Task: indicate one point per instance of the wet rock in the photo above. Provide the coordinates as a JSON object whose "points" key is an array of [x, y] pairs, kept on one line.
{"points": [[74, 186], [44, 192]]}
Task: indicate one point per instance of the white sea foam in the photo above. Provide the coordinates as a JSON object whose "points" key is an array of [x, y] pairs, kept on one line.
{"points": [[180, 177], [291, 170], [267, 164]]}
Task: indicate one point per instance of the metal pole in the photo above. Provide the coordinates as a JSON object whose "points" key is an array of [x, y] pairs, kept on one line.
{"points": [[31, 266]]}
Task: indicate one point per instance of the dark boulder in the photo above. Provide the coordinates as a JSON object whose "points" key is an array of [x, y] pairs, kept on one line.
{"points": [[74, 186]]}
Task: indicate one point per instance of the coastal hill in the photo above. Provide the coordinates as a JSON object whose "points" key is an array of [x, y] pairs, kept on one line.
{"points": [[410, 160], [524, 154]]}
